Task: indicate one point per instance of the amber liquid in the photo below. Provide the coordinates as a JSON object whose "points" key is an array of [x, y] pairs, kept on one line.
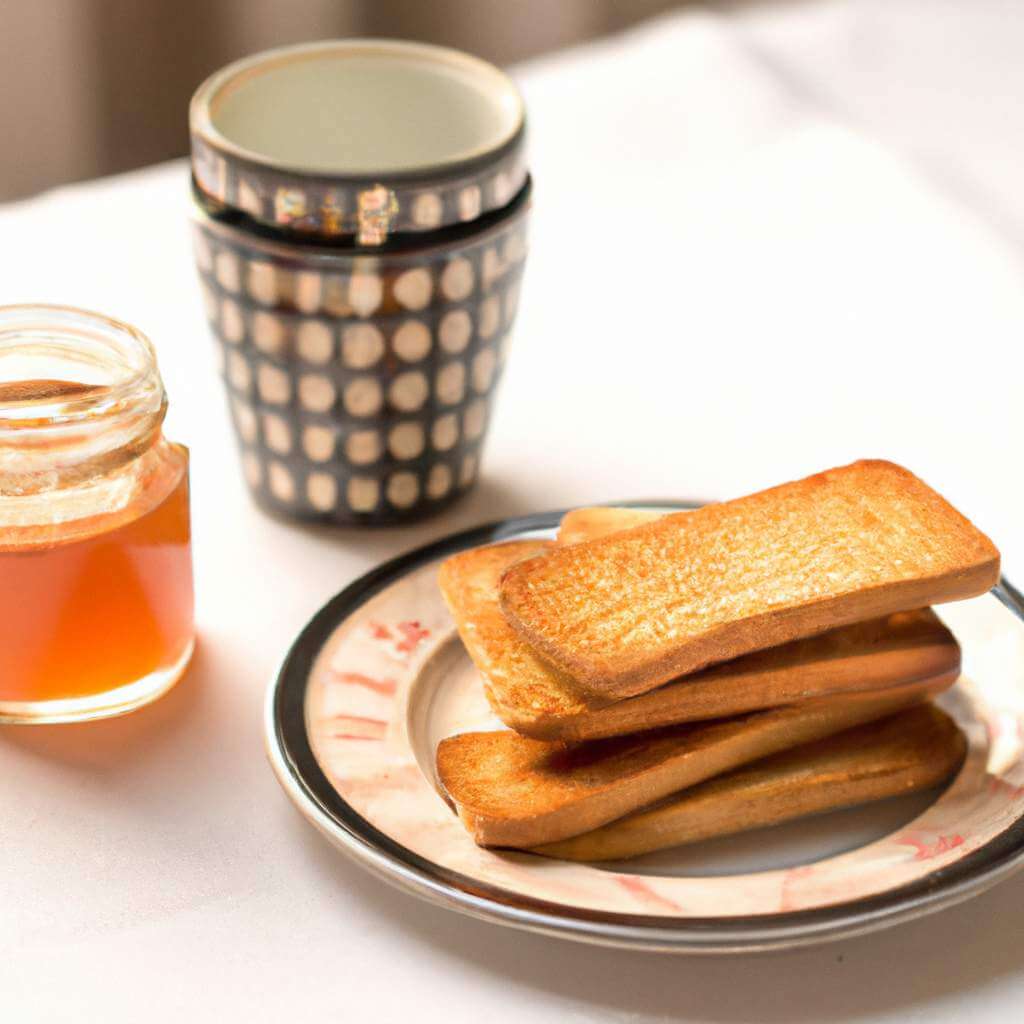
{"points": [[86, 615]]}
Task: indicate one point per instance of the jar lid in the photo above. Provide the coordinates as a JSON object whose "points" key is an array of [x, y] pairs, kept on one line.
{"points": [[360, 139]]}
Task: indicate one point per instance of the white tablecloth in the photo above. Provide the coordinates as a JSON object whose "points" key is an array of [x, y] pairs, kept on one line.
{"points": [[765, 242]]}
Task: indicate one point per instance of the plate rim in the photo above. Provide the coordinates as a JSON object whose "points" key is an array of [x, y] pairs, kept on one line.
{"points": [[293, 762]]}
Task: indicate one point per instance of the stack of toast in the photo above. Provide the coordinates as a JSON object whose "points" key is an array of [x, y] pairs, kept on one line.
{"points": [[669, 678]]}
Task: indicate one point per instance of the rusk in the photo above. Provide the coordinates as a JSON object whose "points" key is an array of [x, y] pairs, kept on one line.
{"points": [[908, 751], [625, 613], [537, 700], [582, 524], [513, 791]]}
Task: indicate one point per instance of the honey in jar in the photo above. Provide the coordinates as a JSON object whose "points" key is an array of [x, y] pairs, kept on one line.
{"points": [[95, 544]]}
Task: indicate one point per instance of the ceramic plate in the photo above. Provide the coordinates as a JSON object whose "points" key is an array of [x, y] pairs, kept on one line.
{"points": [[378, 677]]}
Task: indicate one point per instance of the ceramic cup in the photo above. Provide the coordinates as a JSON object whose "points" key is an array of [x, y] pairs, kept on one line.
{"points": [[359, 220]]}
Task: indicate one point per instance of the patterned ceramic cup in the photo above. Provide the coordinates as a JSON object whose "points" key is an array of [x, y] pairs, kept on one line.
{"points": [[362, 309]]}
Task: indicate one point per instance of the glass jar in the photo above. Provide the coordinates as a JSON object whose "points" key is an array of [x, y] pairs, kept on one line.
{"points": [[95, 541]]}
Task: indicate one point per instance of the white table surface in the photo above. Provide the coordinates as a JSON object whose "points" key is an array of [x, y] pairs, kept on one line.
{"points": [[820, 259]]}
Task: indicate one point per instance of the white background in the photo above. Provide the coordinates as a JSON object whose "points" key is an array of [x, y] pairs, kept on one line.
{"points": [[765, 242]]}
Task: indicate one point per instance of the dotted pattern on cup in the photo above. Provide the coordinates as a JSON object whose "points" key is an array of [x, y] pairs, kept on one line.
{"points": [[360, 387]]}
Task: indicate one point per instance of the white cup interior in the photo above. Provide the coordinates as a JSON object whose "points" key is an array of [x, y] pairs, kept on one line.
{"points": [[363, 108]]}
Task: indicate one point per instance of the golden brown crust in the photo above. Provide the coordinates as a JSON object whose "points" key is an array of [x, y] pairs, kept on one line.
{"points": [[625, 613], [537, 700], [517, 683], [514, 791], [911, 750], [582, 524]]}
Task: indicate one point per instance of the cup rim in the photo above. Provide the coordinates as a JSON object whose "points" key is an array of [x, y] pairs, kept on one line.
{"points": [[202, 107]]}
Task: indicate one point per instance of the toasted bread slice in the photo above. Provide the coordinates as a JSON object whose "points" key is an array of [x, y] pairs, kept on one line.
{"points": [[599, 520], [538, 700], [515, 679], [908, 751], [626, 613], [514, 791]]}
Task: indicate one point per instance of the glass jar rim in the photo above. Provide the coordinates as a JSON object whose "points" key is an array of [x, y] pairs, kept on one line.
{"points": [[80, 395], [134, 379]]}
